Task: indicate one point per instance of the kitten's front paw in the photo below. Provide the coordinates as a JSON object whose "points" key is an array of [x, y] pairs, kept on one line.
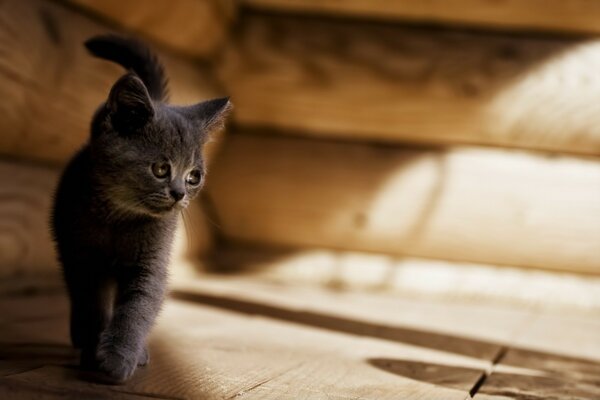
{"points": [[144, 357], [115, 367]]}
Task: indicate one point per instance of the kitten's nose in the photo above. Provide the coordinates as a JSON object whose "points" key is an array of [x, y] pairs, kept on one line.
{"points": [[177, 194]]}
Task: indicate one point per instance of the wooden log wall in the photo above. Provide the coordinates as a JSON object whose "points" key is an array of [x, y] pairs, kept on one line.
{"points": [[330, 114], [387, 82], [25, 198], [460, 203]]}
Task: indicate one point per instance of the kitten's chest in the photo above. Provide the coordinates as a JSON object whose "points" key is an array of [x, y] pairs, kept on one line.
{"points": [[133, 242]]}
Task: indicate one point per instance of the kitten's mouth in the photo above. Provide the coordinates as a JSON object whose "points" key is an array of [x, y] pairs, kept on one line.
{"points": [[163, 209], [154, 209]]}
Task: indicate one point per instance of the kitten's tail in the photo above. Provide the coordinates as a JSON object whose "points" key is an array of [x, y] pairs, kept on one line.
{"points": [[135, 56]]}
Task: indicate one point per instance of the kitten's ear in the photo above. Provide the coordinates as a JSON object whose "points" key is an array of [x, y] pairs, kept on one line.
{"points": [[129, 103], [210, 114]]}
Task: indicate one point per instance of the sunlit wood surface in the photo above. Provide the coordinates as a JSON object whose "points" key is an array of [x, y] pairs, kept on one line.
{"points": [[233, 338], [459, 203], [359, 80]]}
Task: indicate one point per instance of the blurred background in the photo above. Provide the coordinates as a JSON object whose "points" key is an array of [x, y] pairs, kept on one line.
{"points": [[431, 150]]}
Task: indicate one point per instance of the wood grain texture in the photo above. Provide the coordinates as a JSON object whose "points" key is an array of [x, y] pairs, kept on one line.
{"points": [[227, 338], [464, 204], [417, 318], [359, 80], [51, 87], [205, 351], [557, 357], [554, 15], [192, 27], [25, 198]]}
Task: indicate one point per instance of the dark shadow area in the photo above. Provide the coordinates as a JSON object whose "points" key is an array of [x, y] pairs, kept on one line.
{"points": [[26, 356], [535, 386], [527, 387], [22, 358], [452, 377]]}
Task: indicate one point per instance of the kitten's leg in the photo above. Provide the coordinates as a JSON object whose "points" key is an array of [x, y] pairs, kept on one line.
{"points": [[144, 357], [122, 344], [91, 308]]}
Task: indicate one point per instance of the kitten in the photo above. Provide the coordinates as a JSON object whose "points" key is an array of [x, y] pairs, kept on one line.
{"points": [[116, 207]]}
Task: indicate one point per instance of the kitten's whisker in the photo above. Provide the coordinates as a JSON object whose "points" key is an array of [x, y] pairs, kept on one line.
{"points": [[187, 225], [212, 222]]}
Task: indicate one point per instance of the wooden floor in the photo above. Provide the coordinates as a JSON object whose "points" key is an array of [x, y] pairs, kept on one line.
{"points": [[238, 338]]}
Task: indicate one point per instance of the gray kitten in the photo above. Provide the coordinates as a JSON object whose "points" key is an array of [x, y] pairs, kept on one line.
{"points": [[116, 207]]}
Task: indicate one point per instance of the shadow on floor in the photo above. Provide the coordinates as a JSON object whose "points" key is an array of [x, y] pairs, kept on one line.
{"points": [[449, 376], [437, 341], [530, 385]]}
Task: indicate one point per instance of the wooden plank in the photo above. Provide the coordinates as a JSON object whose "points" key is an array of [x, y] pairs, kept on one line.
{"points": [[15, 390], [565, 332], [194, 27], [18, 358], [556, 357], [238, 338], [385, 82], [465, 204], [526, 387], [447, 324], [25, 199], [211, 353], [262, 358], [51, 86], [550, 353], [552, 15], [524, 374]]}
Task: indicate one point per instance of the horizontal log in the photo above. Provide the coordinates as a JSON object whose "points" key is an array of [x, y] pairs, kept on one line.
{"points": [[25, 197], [50, 87], [339, 78], [464, 204], [193, 27], [552, 15]]}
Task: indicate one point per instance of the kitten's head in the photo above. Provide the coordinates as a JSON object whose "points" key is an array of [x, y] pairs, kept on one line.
{"points": [[147, 155]]}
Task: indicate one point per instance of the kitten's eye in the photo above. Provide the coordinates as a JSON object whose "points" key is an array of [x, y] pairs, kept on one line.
{"points": [[161, 169], [194, 177]]}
